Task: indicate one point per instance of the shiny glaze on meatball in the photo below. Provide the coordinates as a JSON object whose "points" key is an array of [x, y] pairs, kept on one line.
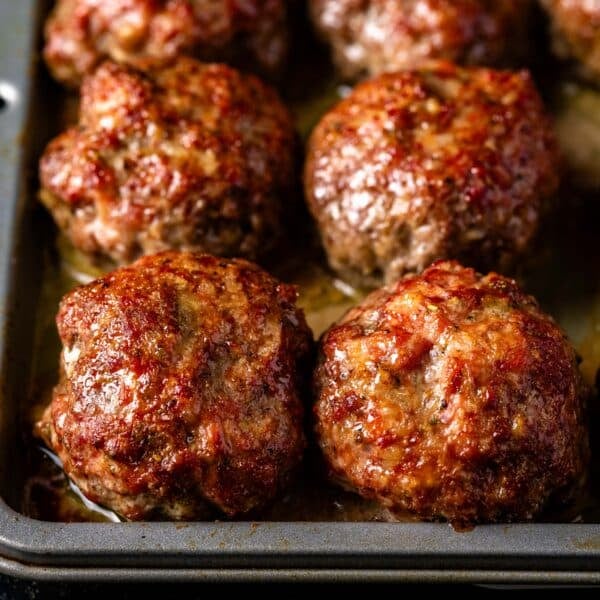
{"points": [[180, 387], [194, 156], [443, 162], [150, 33], [576, 30], [369, 37], [451, 395]]}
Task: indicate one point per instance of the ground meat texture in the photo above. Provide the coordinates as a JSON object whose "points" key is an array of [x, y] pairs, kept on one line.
{"points": [[369, 37], [443, 162], [180, 387], [194, 157], [150, 33], [451, 395], [576, 30]]}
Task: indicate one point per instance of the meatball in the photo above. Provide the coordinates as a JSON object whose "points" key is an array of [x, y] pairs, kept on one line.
{"points": [[576, 29], [369, 37], [180, 387], [193, 156], [442, 162], [451, 395], [150, 33]]}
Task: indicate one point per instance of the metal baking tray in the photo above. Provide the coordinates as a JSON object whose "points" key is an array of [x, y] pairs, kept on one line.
{"points": [[546, 553]]}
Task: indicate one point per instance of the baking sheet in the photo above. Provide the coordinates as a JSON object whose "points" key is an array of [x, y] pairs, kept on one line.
{"points": [[563, 273]]}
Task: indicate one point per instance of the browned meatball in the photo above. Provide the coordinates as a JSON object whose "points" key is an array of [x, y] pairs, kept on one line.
{"points": [[150, 33], [373, 36], [180, 387], [452, 395], [194, 157], [443, 162], [576, 29]]}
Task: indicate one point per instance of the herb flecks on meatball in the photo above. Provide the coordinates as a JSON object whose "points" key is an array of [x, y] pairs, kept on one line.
{"points": [[451, 395], [180, 387], [443, 162], [190, 157], [150, 33], [369, 37]]}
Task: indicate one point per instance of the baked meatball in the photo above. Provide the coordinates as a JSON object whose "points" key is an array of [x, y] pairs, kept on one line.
{"points": [[576, 31], [150, 33], [451, 395], [193, 156], [180, 387], [369, 37], [443, 162]]}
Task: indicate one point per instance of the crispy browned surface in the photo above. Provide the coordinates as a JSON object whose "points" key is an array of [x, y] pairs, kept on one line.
{"points": [[444, 162], [576, 30], [369, 37], [452, 395], [194, 157], [150, 33], [180, 387]]}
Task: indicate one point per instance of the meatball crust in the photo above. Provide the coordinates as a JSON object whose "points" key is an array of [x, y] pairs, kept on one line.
{"points": [[442, 162], [180, 387], [193, 156], [576, 32], [452, 395], [150, 33], [369, 37]]}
